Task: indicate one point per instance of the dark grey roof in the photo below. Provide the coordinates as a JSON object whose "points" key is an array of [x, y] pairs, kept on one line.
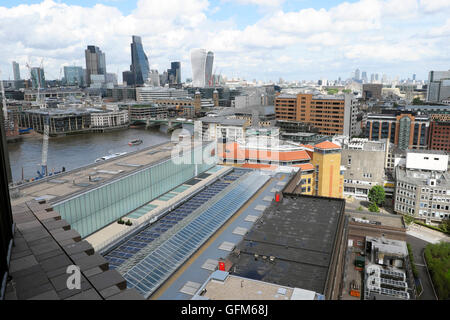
{"points": [[300, 233]]}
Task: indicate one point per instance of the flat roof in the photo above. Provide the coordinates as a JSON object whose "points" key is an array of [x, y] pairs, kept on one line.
{"points": [[76, 181], [294, 242], [238, 288]]}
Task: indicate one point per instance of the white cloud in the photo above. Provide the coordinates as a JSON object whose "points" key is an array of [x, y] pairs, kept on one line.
{"points": [[434, 5], [375, 32]]}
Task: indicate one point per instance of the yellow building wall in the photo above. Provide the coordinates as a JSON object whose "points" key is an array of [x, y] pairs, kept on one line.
{"points": [[329, 181], [306, 184]]}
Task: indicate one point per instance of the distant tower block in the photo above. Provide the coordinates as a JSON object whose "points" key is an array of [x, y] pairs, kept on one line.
{"points": [[197, 102], [216, 98]]}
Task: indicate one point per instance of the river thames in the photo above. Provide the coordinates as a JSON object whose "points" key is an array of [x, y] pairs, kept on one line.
{"points": [[75, 150]]}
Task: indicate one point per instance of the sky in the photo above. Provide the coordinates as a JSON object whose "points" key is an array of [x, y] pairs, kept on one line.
{"points": [[251, 39]]}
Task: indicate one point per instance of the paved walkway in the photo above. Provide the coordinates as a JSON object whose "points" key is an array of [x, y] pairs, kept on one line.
{"points": [[417, 247], [426, 234]]}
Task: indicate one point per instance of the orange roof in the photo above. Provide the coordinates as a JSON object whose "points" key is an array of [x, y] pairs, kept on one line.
{"points": [[259, 166], [327, 145], [233, 151], [304, 166], [308, 146]]}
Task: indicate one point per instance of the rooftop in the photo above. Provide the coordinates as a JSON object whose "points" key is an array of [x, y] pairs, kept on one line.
{"points": [[58, 187], [327, 145], [292, 243], [230, 287]]}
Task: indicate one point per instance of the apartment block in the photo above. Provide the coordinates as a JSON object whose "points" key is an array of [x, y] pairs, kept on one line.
{"points": [[331, 115], [407, 130]]}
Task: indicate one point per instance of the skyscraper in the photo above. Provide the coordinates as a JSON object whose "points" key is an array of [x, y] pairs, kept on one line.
{"points": [[174, 73], [74, 76], [208, 69], [95, 62], [139, 61], [364, 76], [202, 63], [16, 71], [37, 78], [357, 74], [198, 63]]}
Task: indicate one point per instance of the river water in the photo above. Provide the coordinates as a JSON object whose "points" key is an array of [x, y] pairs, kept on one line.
{"points": [[76, 150]]}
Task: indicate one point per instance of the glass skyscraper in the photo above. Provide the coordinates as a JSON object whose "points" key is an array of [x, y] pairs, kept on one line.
{"points": [[37, 78], [208, 69], [139, 61], [74, 76], [202, 63], [174, 73]]}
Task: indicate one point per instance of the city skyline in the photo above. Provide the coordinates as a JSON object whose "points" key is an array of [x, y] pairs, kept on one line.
{"points": [[292, 40]]}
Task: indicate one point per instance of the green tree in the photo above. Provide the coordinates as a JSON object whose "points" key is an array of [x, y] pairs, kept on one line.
{"points": [[417, 101], [373, 207], [377, 195]]}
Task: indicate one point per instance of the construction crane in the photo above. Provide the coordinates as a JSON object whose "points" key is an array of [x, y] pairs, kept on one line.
{"points": [[5, 109], [41, 102]]}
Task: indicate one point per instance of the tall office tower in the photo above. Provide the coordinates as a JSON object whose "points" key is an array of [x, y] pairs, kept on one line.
{"points": [[37, 78], [376, 77], [128, 78], [384, 79], [154, 78], [372, 78], [139, 61], [174, 73], [364, 76], [414, 77], [357, 74], [95, 62], [74, 76], [438, 86], [16, 71], [208, 69], [198, 63]]}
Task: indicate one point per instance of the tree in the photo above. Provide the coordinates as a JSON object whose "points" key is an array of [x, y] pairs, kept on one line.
{"points": [[417, 101], [377, 195], [373, 207]]}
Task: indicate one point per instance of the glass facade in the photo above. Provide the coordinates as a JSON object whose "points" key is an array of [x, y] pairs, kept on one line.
{"points": [[139, 61], [97, 208], [404, 133]]}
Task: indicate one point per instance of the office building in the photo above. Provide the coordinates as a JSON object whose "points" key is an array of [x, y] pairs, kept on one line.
{"points": [[439, 135], [372, 91], [202, 63], [174, 73], [74, 76], [139, 61], [331, 115], [153, 78], [407, 130], [149, 94], [95, 63], [37, 78], [422, 186], [438, 86], [128, 78], [209, 69], [16, 71]]}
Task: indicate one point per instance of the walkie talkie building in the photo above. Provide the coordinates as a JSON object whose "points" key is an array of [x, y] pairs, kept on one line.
{"points": [[202, 63]]}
